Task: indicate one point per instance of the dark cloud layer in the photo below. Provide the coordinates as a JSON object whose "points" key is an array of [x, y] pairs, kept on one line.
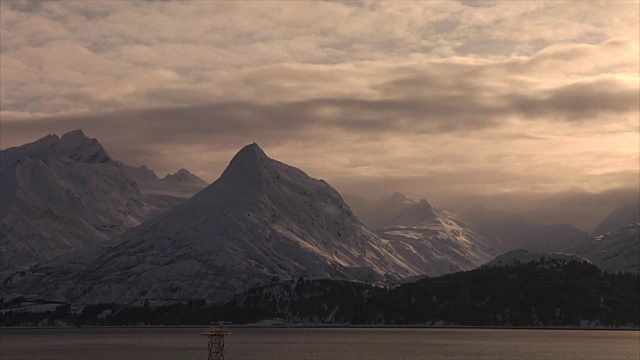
{"points": [[457, 108], [583, 101]]}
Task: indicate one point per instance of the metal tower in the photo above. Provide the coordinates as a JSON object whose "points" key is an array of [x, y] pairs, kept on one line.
{"points": [[216, 341]]}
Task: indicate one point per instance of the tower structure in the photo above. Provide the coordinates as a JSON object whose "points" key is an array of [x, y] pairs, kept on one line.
{"points": [[216, 341]]}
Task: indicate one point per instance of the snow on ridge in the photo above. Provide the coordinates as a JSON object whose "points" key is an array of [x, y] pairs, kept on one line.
{"points": [[261, 219], [60, 194], [74, 145], [615, 251], [437, 241]]}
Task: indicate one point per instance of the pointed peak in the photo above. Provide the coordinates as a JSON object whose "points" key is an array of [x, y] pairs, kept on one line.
{"points": [[185, 176], [398, 198], [398, 195], [427, 206], [252, 148], [77, 146], [250, 153], [74, 134], [248, 166], [142, 173]]}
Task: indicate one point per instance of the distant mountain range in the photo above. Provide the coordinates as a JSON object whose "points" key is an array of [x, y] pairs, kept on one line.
{"points": [[499, 230], [524, 234], [620, 217], [438, 241], [614, 251], [169, 191], [101, 231]]}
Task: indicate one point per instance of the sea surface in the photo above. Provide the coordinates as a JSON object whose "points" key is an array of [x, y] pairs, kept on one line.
{"points": [[322, 343]]}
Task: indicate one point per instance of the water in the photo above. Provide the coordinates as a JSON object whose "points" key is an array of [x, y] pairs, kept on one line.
{"points": [[302, 344]]}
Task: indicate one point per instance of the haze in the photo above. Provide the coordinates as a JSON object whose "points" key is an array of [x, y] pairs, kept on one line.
{"points": [[530, 107]]}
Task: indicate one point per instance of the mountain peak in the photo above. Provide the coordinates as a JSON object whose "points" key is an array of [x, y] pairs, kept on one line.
{"points": [[74, 134], [252, 148], [184, 176], [398, 199], [250, 154], [398, 196], [248, 165], [77, 146], [425, 204]]}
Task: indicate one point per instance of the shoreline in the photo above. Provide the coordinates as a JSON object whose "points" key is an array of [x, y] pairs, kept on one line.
{"points": [[319, 326]]}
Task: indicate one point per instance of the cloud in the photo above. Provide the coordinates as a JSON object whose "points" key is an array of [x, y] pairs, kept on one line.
{"points": [[432, 98], [582, 209], [66, 57], [582, 101]]}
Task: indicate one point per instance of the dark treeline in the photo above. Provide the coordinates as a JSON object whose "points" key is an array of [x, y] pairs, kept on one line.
{"points": [[543, 293]]}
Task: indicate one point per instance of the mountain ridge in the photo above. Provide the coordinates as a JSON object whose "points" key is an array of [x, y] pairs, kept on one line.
{"points": [[60, 194], [261, 219], [438, 241], [524, 234]]}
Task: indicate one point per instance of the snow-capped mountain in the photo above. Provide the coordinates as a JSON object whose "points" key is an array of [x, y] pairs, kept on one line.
{"points": [[184, 176], [523, 234], [60, 194], [434, 241], [169, 191], [622, 216], [260, 220], [376, 214], [615, 251]]}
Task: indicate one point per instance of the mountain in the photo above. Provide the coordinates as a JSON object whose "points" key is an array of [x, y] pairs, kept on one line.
{"points": [[184, 176], [377, 214], [142, 175], [60, 194], [523, 234], [620, 217], [260, 220], [169, 191], [615, 251], [434, 241]]}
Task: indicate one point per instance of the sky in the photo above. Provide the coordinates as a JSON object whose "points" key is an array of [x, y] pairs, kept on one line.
{"points": [[528, 107]]}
